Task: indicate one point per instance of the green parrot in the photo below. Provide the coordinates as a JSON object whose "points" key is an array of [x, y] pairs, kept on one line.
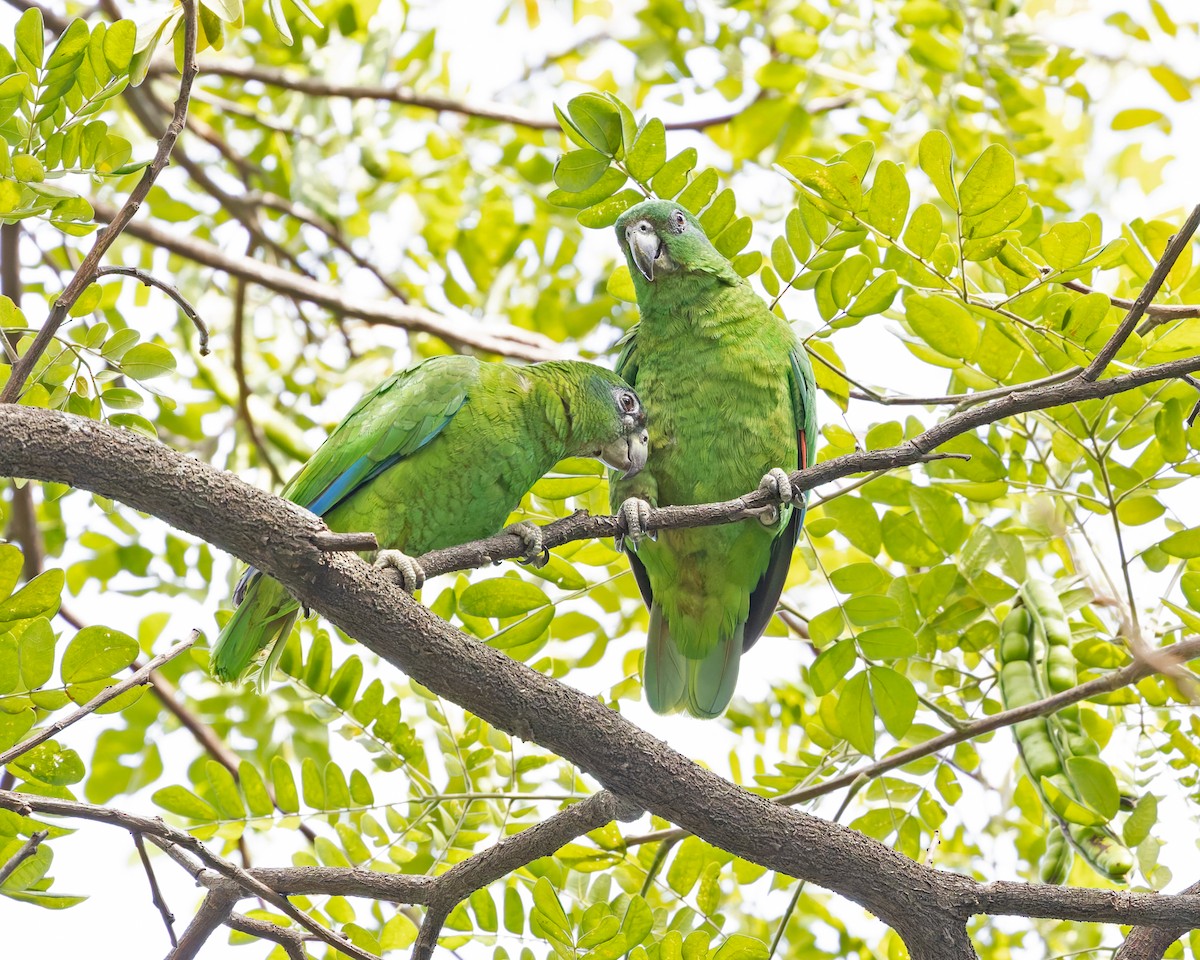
{"points": [[438, 455], [730, 397]]}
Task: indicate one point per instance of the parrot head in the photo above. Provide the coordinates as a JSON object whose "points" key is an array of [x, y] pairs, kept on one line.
{"points": [[662, 241], [627, 451]]}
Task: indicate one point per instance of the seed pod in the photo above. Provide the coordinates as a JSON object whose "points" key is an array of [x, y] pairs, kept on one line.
{"points": [[1056, 861]]}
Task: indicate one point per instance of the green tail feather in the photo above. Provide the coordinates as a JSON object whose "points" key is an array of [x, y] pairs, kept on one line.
{"points": [[711, 681], [665, 669], [264, 617]]}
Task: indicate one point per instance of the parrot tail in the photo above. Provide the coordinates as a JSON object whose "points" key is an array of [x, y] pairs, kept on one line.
{"points": [[711, 680], [665, 669], [264, 617]]}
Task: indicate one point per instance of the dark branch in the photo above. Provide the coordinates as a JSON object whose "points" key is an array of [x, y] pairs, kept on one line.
{"points": [[924, 905], [1150, 943], [1147, 295], [27, 850], [458, 883], [156, 896], [104, 696], [350, 542], [213, 912], [149, 280], [492, 337], [408, 97], [291, 941]]}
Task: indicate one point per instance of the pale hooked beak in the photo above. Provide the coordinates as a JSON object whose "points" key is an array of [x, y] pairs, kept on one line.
{"points": [[644, 245], [627, 454]]}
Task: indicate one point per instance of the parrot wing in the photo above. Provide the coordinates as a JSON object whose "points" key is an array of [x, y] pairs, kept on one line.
{"points": [[765, 596], [392, 422]]}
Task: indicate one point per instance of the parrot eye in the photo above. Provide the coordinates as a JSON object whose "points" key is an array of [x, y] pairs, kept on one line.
{"points": [[628, 402], [678, 221]]}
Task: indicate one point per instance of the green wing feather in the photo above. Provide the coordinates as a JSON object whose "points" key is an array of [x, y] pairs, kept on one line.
{"points": [[390, 423], [765, 596]]}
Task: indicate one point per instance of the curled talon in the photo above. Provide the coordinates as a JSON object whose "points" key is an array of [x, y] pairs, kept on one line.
{"points": [[633, 516], [776, 485], [411, 574], [536, 555]]}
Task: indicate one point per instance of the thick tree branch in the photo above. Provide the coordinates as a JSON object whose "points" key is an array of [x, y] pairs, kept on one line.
{"points": [[1150, 943], [104, 696], [492, 337], [87, 272], [213, 912], [240, 882], [1164, 659], [924, 905], [458, 883]]}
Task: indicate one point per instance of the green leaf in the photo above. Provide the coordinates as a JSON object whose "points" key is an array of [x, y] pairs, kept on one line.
{"points": [[254, 789], [1141, 820], [1066, 244], [36, 652], [1096, 784], [545, 901], [51, 764], [831, 665], [70, 47], [39, 596], [887, 203], [1185, 544], [740, 947], [877, 297], [836, 183], [944, 324], [598, 120], [96, 653], [856, 714], [119, 43], [991, 178], [180, 800], [523, 631], [285, 785], [14, 726], [648, 155], [685, 869], [147, 360], [935, 157], [31, 42], [895, 699], [224, 791], [673, 176], [887, 643], [501, 597], [579, 169], [1067, 807], [28, 169]]}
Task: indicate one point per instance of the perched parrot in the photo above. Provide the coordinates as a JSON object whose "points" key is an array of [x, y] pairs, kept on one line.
{"points": [[438, 455], [730, 398]]}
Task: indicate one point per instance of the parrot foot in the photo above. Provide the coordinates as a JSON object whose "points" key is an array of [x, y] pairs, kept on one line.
{"points": [[632, 517], [536, 555], [411, 574], [776, 485]]}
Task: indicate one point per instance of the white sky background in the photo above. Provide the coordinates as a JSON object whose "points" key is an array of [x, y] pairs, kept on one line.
{"points": [[119, 921]]}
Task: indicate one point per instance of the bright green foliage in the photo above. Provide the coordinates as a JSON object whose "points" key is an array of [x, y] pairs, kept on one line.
{"points": [[902, 182]]}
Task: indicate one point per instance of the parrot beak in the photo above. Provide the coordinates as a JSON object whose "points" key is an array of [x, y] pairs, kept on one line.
{"points": [[628, 454], [644, 245]]}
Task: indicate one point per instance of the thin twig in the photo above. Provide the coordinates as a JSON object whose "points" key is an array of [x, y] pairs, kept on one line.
{"points": [[99, 700], [27, 850], [963, 400], [241, 882], [86, 273], [148, 279], [156, 896], [1164, 658], [239, 373], [408, 97], [1145, 297]]}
